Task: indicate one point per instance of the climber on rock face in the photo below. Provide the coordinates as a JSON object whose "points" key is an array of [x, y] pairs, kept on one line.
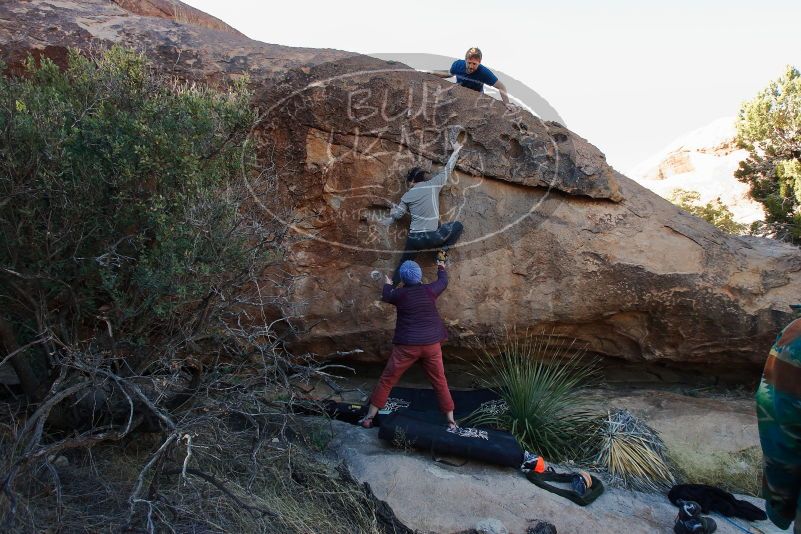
{"points": [[472, 74], [421, 201]]}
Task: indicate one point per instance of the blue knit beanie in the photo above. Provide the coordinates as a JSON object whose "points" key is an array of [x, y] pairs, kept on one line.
{"points": [[411, 273]]}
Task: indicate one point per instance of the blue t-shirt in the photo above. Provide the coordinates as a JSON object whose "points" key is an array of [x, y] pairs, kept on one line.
{"points": [[474, 81]]}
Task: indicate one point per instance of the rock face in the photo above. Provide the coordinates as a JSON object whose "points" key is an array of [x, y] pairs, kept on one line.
{"points": [[555, 239], [177, 11]]}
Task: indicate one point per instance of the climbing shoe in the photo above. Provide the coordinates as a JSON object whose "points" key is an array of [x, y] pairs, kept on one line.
{"points": [[690, 520], [533, 462], [581, 482], [695, 525]]}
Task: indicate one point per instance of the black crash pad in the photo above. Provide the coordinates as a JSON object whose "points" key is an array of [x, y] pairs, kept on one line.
{"points": [[423, 402], [484, 445]]}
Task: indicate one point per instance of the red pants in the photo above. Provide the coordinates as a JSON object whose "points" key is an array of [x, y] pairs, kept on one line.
{"points": [[402, 357]]}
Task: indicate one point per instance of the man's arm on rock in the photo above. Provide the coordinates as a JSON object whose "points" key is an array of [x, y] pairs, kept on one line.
{"points": [[452, 161], [441, 178], [396, 212], [502, 89]]}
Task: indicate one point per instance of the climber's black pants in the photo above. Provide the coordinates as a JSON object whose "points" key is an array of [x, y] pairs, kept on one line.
{"points": [[443, 237]]}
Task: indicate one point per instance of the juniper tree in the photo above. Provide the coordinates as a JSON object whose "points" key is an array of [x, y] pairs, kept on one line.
{"points": [[769, 128]]}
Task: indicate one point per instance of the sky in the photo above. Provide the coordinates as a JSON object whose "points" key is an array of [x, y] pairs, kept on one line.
{"points": [[629, 76]]}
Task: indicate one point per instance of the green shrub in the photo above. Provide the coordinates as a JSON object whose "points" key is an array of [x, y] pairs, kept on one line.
{"points": [[715, 212], [767, 127], [120, 201], [126, 251], [541, 382]]}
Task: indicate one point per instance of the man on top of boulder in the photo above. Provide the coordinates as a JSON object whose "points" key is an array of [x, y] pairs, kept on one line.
{"points": [[472, 74], [421, 201]]}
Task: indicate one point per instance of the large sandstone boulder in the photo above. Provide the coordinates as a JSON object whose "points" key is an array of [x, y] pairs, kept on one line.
{"points": [[555, 239]]}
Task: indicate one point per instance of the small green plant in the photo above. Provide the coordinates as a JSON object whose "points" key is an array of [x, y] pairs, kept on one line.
{"points": [[633, 453], [318, 436], [541, 380], [401, 441], [715, 212]]}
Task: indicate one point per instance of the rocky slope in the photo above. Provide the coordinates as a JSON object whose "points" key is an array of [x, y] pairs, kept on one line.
{"points": [[703, 161], [555, 239]]}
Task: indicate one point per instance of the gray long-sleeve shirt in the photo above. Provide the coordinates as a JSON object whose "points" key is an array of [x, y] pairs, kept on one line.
{"points": [[422, 200]]}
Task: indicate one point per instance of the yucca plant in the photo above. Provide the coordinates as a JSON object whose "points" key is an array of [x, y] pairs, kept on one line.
{"points": [[633, 453], [541, 380]]}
